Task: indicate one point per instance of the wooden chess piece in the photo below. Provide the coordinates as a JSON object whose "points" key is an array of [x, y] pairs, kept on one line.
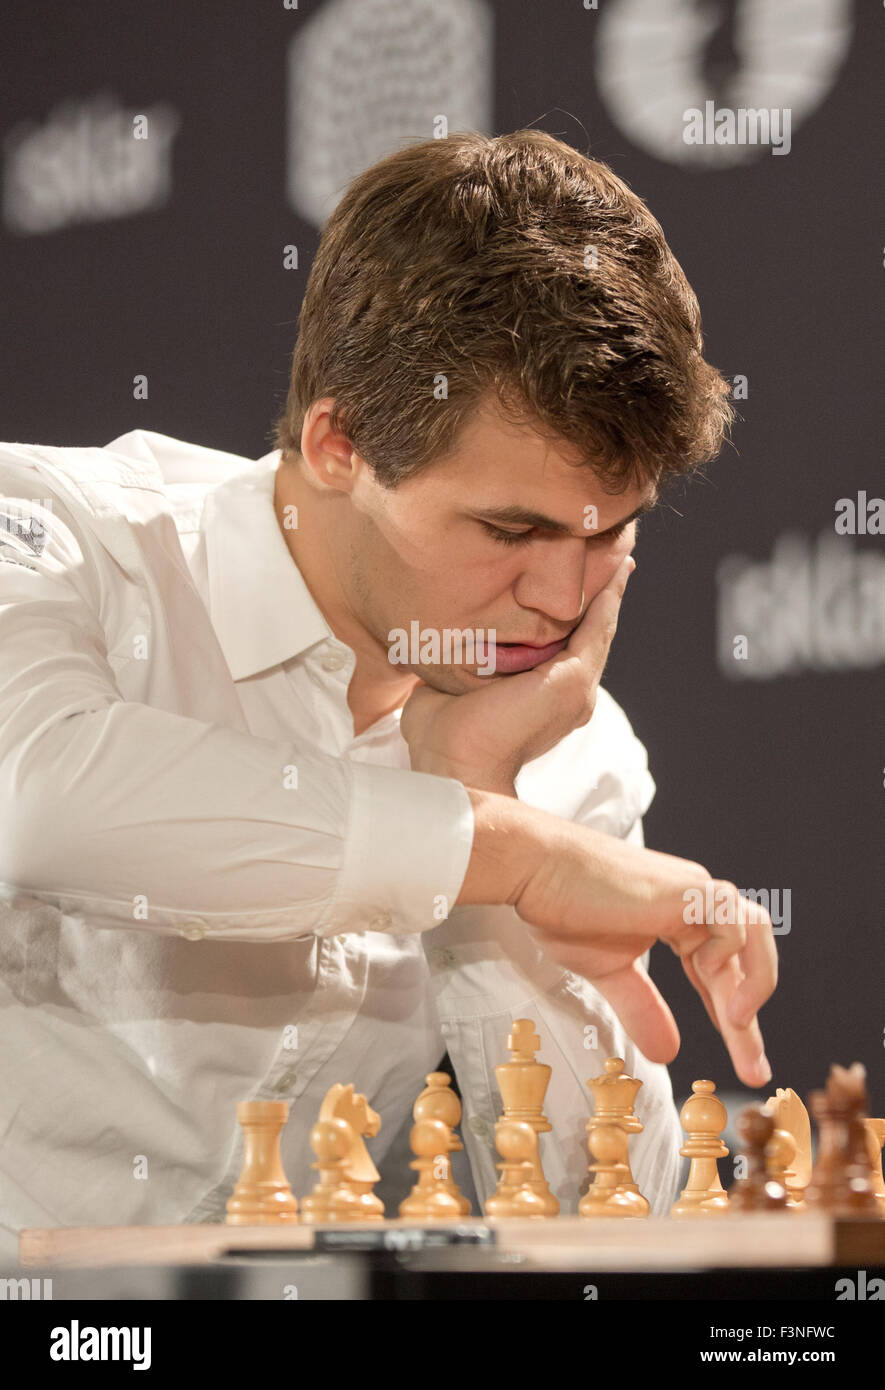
{"points": [[262, 1196], [756, 1191], [523, 1083], [828, 1186], [439, 1102], [516, 1194], [346, 1171], [431, 1199], [780, 1151], [841, 1181], [613, 1191], [790, 1115], [703, 1117], [853, 1082], [875, 1137]]}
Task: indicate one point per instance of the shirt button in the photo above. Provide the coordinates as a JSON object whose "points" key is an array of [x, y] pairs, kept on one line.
{"points": [[193, 931], [334, 660], [477, 1125], [382, 921], [287, 1080]]}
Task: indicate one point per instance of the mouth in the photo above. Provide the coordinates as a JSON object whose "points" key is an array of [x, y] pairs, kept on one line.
{"points": [[510, 657], [538, 646]]}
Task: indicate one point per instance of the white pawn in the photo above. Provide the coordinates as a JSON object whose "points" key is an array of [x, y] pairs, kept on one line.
{"points": [[703, 1117], [431, 1199], [516, 1194]]}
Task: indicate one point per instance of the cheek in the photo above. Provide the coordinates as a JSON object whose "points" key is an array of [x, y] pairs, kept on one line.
{"points": [[401, 554], [602, 561], [625, 544]]}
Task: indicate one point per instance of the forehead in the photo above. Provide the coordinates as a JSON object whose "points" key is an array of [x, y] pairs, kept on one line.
{"points": [[499, 461]]}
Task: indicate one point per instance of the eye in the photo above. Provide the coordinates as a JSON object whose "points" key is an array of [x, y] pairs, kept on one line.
{"points": [[612, 535], [522, 537], [506, 537]]}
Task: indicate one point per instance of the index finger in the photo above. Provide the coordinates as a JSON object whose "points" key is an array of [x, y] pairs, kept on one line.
{"points": [[745, 1045], [738, 964], [759, 962]]}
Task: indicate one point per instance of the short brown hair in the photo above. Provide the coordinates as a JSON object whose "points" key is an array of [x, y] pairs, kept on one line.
{"points": [[472, 257]]}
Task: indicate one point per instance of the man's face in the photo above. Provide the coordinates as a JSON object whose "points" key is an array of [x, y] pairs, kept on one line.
{"points": [[454, 548]]}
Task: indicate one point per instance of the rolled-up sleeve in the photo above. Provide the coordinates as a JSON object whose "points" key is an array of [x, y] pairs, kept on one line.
{"points": [[395, 870], [131, 816]]}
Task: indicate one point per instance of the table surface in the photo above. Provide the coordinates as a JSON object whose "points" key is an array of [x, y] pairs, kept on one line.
{"points": [[786, 1239]]}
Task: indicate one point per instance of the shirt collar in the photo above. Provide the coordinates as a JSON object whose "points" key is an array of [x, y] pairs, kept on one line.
{"points": [[262, 610]]}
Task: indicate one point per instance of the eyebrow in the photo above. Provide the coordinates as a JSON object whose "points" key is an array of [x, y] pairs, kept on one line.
{"points": [[520, 516]]}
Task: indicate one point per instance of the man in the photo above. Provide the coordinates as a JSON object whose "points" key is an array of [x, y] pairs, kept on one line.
{"points": [[245, 853]]}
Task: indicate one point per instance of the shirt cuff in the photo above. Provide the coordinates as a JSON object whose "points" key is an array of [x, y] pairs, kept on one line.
{"points": [[406, 852]]}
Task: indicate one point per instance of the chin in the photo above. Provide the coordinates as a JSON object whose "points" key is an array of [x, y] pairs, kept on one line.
{"points": [[450, 680]]}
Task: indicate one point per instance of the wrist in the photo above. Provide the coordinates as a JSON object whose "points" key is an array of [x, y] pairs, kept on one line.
{"points": [[508, 847], [498, 783]]}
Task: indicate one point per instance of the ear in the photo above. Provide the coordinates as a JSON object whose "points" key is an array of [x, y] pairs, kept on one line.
{"points": [[328, 453]]}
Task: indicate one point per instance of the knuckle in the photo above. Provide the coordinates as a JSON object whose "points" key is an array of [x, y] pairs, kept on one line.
{"points": [[575, 693], [699, 869]]}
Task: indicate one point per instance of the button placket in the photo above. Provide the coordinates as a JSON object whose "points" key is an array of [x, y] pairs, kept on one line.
{"points": [[463, 1039], [334, 659], [286, 1080], [338, 996], [194, 929], [443, 958], [335, 1005], [477, 1125]]}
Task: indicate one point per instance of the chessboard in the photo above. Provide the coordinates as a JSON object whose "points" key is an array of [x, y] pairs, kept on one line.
{"points": [[787, 1209]]}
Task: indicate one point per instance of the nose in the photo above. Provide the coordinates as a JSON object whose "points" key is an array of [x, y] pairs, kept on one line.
{"points": [[555, 581]]}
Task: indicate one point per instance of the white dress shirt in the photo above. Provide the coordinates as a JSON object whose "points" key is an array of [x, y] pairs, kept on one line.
{"points": [[211, 891]]}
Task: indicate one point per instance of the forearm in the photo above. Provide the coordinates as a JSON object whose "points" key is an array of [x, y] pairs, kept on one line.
{"points": [[138, 817], [510, 840]]}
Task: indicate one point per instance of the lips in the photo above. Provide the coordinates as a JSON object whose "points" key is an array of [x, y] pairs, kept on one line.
{"points": [[522, 656], [549, 643]]}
